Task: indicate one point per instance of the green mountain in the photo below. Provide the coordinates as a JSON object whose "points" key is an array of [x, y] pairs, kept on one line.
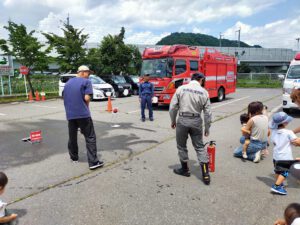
{"points": [[199, 40]]}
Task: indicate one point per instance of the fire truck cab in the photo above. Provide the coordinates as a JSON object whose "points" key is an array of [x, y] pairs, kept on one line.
{"points": [[172, 66]]}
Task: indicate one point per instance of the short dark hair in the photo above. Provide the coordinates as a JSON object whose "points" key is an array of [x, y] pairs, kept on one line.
{"points": [[3, 180], [291, 212], [244, 118], [255, 108], [198, 76]]}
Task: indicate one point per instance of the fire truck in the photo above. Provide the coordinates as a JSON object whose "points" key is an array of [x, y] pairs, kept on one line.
{"points": [[172, 66]]}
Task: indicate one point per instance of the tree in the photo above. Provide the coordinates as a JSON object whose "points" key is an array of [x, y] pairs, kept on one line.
{"points": [[244, 68], [25, 48], [136, 60], [117, 57], [93, 59], [70, 50]]}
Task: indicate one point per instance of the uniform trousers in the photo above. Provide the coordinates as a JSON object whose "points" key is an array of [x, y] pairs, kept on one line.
{"points": [[190, 126]]}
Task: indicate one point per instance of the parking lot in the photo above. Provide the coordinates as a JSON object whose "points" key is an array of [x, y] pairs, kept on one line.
{"points": [[137, 184]]}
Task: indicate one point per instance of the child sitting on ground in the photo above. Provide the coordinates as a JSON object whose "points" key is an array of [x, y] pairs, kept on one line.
{"points": [[281, 138], [291, 215], [4, 218], [245, 139]]}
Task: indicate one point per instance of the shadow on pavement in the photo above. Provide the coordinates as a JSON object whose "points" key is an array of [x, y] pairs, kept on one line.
{"points": [[14, 152], [292, 182]]}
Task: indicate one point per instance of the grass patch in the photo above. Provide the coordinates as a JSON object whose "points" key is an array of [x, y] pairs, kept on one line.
{"points": [[23, 97], [259, 83]]}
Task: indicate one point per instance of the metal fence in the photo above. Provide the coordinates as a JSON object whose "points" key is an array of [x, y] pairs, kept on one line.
{"points": [[39, 82], [259, 76]]}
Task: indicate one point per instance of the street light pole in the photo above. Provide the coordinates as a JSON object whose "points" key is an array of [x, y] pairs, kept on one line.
{"points": [[239, 36], [220, 40], [297, 39]]}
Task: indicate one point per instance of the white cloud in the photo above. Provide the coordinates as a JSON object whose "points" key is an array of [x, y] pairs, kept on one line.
{"points": [[147, 38], [200, 30], [278, 34]]}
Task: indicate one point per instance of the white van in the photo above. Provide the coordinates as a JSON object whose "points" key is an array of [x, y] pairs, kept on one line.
{"points": [[100, 87], [292, 80]]}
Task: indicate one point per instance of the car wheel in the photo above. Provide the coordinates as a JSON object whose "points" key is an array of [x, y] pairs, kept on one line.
{"points": [[117, 93], [221, 94], [92, 97], [135, 92]]}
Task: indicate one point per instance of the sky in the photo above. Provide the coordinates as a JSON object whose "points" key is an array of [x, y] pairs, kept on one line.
{"points": [[269, 23]]}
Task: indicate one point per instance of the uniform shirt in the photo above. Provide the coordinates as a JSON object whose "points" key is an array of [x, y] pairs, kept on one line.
{"points": [[146, 88], [74, 92], [281, 138], [259, 129], [191, 98]]}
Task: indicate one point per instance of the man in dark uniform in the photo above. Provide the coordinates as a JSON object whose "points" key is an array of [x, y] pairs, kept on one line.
{"points": [[146, 93], [189, 101]]}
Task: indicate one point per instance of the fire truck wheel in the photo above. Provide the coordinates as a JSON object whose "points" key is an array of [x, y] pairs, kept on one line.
{"points": [[221, 94]]}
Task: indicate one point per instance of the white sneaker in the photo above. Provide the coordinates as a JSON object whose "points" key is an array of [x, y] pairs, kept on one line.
{"points": [[245, 155], [257, 157]]}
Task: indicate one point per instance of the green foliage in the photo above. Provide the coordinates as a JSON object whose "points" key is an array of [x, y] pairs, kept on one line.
{"points": [[70, 50], [116, 57], [198, 40], [244, 68], [24, 47], [93, 60]]}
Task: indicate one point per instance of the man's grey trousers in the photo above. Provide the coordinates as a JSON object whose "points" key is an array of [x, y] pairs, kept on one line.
{"points": [[192, 126]]}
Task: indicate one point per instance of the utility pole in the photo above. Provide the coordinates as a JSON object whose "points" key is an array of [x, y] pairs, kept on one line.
{"points": [[239, 36], [297, 39], [220, 40], [68, 20]]}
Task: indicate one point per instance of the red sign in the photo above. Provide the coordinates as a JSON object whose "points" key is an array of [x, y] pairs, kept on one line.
{"points": [[24, 70], [36, 136]]}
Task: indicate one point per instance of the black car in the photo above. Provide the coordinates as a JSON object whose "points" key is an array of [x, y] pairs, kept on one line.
{"points": [[122, 88], [134, 81]]}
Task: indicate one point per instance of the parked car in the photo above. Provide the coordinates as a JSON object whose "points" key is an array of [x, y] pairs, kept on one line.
{"points": [[122, 88], [101, 89], [134, 81]]}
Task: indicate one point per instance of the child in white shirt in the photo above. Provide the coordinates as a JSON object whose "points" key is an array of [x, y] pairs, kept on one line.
{"points": [[282, 152]]}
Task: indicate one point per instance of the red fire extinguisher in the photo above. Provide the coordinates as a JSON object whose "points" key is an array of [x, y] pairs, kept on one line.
{"points": [[211, 150]]}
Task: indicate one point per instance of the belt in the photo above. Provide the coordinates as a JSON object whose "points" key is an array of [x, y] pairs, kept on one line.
{"points": [[187, 114]]}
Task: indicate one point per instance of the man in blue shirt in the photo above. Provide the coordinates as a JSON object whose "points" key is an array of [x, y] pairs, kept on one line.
{"points": [[146, 93], [76, 96]]}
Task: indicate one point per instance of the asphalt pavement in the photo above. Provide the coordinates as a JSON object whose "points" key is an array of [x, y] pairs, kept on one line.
{"points": [[137, 184]]}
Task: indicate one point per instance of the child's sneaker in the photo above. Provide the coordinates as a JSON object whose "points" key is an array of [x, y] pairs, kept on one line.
{"points": [[257, 157], [245, 155], [278, 189]]}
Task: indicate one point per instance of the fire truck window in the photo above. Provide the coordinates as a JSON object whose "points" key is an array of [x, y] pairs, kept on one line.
{"points": [[194, 65], [180, 66]]}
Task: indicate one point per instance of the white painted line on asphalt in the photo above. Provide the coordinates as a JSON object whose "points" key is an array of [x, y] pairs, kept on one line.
{"points": [[230, 102], [274, 110], [135, 111], [44, 106], [2, 114]]}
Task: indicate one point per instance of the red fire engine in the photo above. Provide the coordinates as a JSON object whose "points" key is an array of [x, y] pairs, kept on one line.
{"points": [[171, 66]]}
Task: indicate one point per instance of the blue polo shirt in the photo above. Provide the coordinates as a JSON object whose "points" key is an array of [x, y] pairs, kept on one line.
{"points": [[74, 102]]}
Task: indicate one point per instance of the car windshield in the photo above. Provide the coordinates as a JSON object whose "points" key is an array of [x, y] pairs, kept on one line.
{"points": [[96, 80], [155, 67], [294, 72], [119, 79], [135, 79]]}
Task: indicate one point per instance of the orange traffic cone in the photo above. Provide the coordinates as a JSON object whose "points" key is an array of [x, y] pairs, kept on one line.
{"points": [[30, 98], [109, 105], [37, 96]]}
